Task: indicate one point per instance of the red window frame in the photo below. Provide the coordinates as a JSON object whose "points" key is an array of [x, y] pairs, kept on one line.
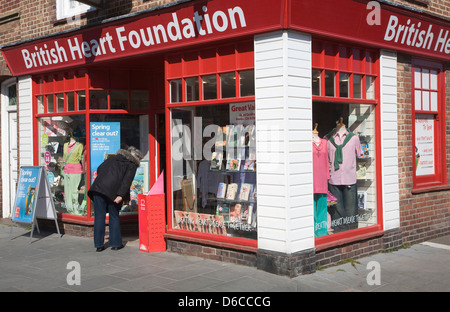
{"points": [[338, 58], [86, 80], [424, 88], [227, 58]]}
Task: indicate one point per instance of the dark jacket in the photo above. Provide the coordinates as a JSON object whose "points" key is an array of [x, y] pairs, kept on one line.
{"points": [[115, 175]]}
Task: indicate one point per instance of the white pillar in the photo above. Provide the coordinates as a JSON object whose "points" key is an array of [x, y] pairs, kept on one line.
{"points": [[284, 150]]}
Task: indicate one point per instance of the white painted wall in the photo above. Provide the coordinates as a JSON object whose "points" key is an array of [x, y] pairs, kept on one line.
{"points": [[389, 139], [284, 149], [25, 120]]}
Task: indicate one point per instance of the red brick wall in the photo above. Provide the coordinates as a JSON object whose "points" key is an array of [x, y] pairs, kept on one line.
{"points": [[435, 7], [424, 215]]}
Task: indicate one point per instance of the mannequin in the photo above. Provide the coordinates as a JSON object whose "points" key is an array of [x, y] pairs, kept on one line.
{"points": [[315, 134], [343, 149], [321, 174], [73, 169]]}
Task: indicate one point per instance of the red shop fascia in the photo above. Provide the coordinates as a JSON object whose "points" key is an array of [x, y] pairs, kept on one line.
{"points": [[100, 56]]}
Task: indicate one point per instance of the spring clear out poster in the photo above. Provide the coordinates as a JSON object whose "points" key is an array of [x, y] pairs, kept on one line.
{"points": [[105, 140], [26, 195]]}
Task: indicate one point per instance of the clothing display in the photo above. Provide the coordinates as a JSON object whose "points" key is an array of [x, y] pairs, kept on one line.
{"points": [[73, 169], [321, 170], [342, 152], [320, 215], [344, 214], [343, 149], [321, 174]]}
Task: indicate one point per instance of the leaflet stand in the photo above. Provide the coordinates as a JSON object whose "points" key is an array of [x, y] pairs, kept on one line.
{"points": [[33, 199]]}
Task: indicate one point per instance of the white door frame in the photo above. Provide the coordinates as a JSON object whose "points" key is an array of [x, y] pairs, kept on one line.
{"points": [[7, 184]]}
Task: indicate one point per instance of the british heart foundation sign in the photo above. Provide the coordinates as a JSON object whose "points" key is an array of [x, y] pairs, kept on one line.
{"points": [[198, 22]]}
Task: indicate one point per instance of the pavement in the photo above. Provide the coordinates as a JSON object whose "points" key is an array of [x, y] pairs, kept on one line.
{"points": [[49, 263]]}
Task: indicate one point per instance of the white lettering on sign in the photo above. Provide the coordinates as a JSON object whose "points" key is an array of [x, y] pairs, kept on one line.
{"points": [[203, 24], [417, 35]]}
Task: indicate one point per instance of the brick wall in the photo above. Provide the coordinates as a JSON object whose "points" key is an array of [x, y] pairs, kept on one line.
{"points": [[426, 215], [434, 7]]}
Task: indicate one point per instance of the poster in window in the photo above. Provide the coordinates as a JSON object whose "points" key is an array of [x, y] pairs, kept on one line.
{"points": [[105, 140], [424, 149]]}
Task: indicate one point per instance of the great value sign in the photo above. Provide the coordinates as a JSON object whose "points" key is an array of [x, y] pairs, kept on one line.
{"points": [[197, 23]]}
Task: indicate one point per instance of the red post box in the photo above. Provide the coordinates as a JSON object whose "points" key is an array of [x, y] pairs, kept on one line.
{"points": [[152, 223]]}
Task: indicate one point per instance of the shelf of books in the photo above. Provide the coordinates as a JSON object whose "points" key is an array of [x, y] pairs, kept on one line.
{"points": [[225, 200]]}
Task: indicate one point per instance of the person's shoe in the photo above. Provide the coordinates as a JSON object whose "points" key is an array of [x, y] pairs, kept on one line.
{"points": [[100, 248], [117, 248]]}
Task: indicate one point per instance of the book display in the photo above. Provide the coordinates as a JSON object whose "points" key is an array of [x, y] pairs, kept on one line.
{"points": [[217, 194]]}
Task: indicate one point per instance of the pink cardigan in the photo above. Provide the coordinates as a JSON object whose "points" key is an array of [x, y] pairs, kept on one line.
{"points": [[321, 172]]}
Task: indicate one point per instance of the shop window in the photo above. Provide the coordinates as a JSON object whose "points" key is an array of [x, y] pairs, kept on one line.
{"points": [[212, 145], [357, 86], [316, 82], [192, 89], [342, 72], [119, 99], [110, 132], [50, 103], [214, 176], [62, 152], [209, 87], [40, 104], [228, 85], [343, 84], [70, 101], [81, 100], [63, 134], [247, 83], [139, 100], [330, 83], [349, 200], [429, 133], [176, 91], [344, 117], [98, 99], [60, 101]]}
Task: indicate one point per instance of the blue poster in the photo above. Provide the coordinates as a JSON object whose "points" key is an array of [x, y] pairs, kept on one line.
{"points": [[105, 140], [26, 195]]}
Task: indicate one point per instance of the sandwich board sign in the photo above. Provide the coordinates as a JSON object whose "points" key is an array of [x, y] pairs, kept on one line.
{"points": [[33, 199]]}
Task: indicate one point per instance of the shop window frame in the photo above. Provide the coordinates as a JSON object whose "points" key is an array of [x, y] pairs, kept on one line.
{"points": [[79, 82], [201, 63], [438, 180], [329, 56]]}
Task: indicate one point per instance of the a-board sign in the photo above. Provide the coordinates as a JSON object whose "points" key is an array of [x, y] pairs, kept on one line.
{"points": [[33, 198]]}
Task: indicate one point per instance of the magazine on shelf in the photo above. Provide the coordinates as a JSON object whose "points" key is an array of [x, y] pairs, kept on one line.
{"points": [[223, 210], [235, 213], [244, 193], [365, 149], [233, 164], [221, 190], [251, 210], [216, 160], [253, 194], [244, 213], [250, 164], [221, 136], [231, 191], [362, 197]]}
